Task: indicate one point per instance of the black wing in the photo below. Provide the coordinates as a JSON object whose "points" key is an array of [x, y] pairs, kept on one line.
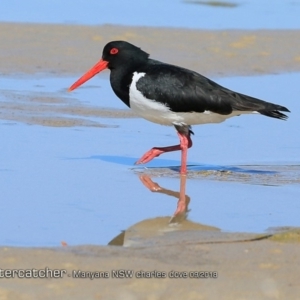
{"points": [[183, 90]]}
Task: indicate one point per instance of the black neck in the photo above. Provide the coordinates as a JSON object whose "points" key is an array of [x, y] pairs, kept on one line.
{"points": [[121, 77], [120, 82]]}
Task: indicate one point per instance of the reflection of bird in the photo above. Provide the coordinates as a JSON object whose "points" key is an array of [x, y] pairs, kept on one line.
{"points": [[171, 95], [146, 231]]}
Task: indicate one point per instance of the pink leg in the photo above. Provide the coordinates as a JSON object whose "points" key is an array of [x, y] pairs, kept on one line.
{"points": [[185, 143]]}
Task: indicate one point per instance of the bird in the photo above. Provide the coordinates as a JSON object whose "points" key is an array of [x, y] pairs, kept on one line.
{"points": [[170, 95]]}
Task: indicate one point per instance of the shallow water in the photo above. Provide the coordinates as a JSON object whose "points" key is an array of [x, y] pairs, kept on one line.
{"points": [[79, 184], [243, 14], [95, 93]]}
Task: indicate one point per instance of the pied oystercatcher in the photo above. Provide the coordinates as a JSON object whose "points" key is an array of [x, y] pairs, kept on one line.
{"points": [[171, 95]]}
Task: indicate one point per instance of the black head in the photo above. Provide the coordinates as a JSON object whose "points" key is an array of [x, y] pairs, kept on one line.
{"points": [[120, 53]]}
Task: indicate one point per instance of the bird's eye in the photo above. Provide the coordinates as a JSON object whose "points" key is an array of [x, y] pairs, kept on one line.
{"points": [[114, 51]]}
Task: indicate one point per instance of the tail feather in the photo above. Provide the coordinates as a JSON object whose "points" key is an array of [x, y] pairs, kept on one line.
{"points": [[248, 103], [273, 111]]}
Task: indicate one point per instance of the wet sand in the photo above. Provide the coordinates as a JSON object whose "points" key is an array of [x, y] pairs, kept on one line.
{"points": [[248, 266], [260, 175], [261, 269], [62, 49], [47, 110]]}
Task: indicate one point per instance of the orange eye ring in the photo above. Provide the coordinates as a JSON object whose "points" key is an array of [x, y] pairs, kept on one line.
{"points": [[114, 51]]}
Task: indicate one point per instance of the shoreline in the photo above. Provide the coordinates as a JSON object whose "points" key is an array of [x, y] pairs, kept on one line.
{"points": [[248, 266], [71, 49]]}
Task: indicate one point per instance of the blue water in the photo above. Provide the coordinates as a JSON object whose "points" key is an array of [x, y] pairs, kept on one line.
{"points": [[77, 184], [248, 14]]}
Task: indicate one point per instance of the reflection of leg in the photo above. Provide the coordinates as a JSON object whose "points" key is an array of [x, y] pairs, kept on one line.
{"points": [[148, 183], [184, 134], [183, 200]]}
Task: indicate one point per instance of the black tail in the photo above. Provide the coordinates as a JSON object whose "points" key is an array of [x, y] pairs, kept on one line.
{"points": [[273, 111], [248, 103]]}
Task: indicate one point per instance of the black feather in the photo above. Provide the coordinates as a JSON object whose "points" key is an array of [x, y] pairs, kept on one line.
{"points": [[183, 90]]}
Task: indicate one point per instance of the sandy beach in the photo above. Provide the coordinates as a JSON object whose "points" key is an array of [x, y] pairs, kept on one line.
{"points": [[62, 49], [227, 265]]}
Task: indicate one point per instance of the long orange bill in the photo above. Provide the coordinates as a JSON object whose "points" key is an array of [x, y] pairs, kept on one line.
{"points": [[97, 68]]}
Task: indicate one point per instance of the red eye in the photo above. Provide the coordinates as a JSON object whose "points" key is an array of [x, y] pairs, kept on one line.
{"points": [[114, 51]]}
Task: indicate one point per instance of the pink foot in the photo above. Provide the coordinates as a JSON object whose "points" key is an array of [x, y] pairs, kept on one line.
{"points": [[185, 143], [148, 156]]}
